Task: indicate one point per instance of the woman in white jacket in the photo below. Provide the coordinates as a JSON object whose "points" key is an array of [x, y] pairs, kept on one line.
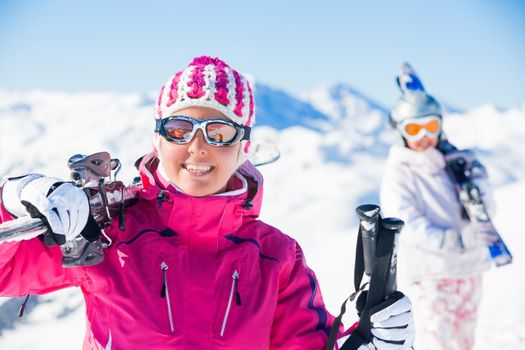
{"points": [[444, 256]]}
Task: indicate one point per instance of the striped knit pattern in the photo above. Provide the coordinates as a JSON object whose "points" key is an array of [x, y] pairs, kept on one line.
{"points": [[208, 82]]}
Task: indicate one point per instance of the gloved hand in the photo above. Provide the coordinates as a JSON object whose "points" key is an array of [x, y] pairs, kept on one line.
{"points": [[393, 325], [486, 237], [62, 205], [472, 164], [477, 235], [11, 194]]}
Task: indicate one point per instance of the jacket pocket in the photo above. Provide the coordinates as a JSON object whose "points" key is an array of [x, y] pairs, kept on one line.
{"points": [[230, 304], [234, 295]]}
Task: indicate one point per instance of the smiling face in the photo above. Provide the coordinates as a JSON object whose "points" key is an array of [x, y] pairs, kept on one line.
{"points": [[198, 168]]}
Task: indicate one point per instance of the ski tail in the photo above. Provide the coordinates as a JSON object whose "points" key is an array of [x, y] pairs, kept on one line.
{"points": [[499, 252], [408, 81]]}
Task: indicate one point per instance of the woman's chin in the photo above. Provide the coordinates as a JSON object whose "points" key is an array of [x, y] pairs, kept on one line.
{"points": [[196, 190]]}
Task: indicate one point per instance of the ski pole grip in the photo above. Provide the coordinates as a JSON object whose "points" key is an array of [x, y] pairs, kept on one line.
{"points": [[384, 266], [391, 226], [368, 221]]}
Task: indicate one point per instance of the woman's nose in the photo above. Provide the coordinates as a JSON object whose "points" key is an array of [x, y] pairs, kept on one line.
{"points": [[197, 144]]}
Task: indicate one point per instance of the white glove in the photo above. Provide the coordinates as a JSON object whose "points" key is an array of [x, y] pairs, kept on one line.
{"points": [[487, 237], [11, 194], [64, 206], [478, 235], [393, 323]]}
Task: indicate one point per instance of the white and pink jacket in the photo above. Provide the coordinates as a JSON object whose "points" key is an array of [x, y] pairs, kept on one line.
{"points": [[186, 273]]}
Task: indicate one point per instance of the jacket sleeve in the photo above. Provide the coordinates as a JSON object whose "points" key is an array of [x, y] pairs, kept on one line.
{"points": [[29, 267], [301, 320], [397, 200]]}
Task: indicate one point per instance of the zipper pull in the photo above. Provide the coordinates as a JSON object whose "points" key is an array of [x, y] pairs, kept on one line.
{"points": [[23, 306], [161, 197], [163, 267], [164, 293], [237, 294], [163, 290]]}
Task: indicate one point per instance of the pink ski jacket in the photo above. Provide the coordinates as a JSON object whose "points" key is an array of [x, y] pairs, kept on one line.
{"points": [[186, 273]]}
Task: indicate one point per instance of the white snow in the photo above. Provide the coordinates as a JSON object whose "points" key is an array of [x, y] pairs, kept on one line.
{"points": [[310, 193]]}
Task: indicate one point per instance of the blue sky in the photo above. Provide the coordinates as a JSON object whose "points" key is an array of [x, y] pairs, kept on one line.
{"points": [[467, 52]]}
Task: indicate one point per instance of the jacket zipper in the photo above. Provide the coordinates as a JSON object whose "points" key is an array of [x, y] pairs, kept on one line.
{"points": [[234, 291], [164, 293]]}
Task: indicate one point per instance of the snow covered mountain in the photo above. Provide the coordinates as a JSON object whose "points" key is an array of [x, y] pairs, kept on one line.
{"points": [[333, 145], [358, 122], [279, 110], [340, 101]]}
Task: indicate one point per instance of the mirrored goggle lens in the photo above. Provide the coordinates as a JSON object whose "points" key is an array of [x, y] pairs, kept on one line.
{"points": [[183, 130], [179, 130], [220, 133]]}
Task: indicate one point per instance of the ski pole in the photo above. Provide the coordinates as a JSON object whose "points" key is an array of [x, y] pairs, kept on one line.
{"points": [[382, 280], [376, 256], [391, 228], [368, 224]]}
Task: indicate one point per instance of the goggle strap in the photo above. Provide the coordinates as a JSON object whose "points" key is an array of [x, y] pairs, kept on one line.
{"points": [[247, 132], [158, 124]]}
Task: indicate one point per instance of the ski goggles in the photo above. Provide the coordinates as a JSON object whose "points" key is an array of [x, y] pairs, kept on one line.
{"points": [[415, 129], [217, 132]]}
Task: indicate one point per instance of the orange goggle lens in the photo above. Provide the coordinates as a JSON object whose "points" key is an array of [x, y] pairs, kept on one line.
{"points": [[413, 129]]}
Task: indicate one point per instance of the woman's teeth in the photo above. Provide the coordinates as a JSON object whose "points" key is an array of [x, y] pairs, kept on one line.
{"points": [[197, 169]]}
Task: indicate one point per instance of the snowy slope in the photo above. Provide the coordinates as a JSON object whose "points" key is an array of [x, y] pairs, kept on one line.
{"points": [[310, 193]]}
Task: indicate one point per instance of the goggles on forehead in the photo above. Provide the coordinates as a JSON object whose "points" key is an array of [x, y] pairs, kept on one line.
{"points": [[217, 131], [415, 129]]}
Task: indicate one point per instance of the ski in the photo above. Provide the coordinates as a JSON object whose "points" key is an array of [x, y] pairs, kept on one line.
{"points": [[107, 196], [21, 229], [107, 199], [463, 168]]}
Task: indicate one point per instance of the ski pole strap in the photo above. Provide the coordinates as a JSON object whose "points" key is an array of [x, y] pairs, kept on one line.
{"points": [[334, 331], [377, 258], [361, 334], [358, 268], [382, 280], [332, 338], [359, 265]]}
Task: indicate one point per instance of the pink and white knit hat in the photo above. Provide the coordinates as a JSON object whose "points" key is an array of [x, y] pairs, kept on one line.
{"points": [[208, 82]]}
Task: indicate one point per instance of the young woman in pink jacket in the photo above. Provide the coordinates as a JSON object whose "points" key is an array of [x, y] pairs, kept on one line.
{"points": [[193, 267]]}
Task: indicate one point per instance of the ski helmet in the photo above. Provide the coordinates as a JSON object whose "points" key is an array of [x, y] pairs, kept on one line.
{"points": [[415, 102], [414, 105]]}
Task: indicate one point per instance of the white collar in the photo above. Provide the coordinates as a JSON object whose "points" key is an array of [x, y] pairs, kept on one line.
{"points": [[430, 160]]}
